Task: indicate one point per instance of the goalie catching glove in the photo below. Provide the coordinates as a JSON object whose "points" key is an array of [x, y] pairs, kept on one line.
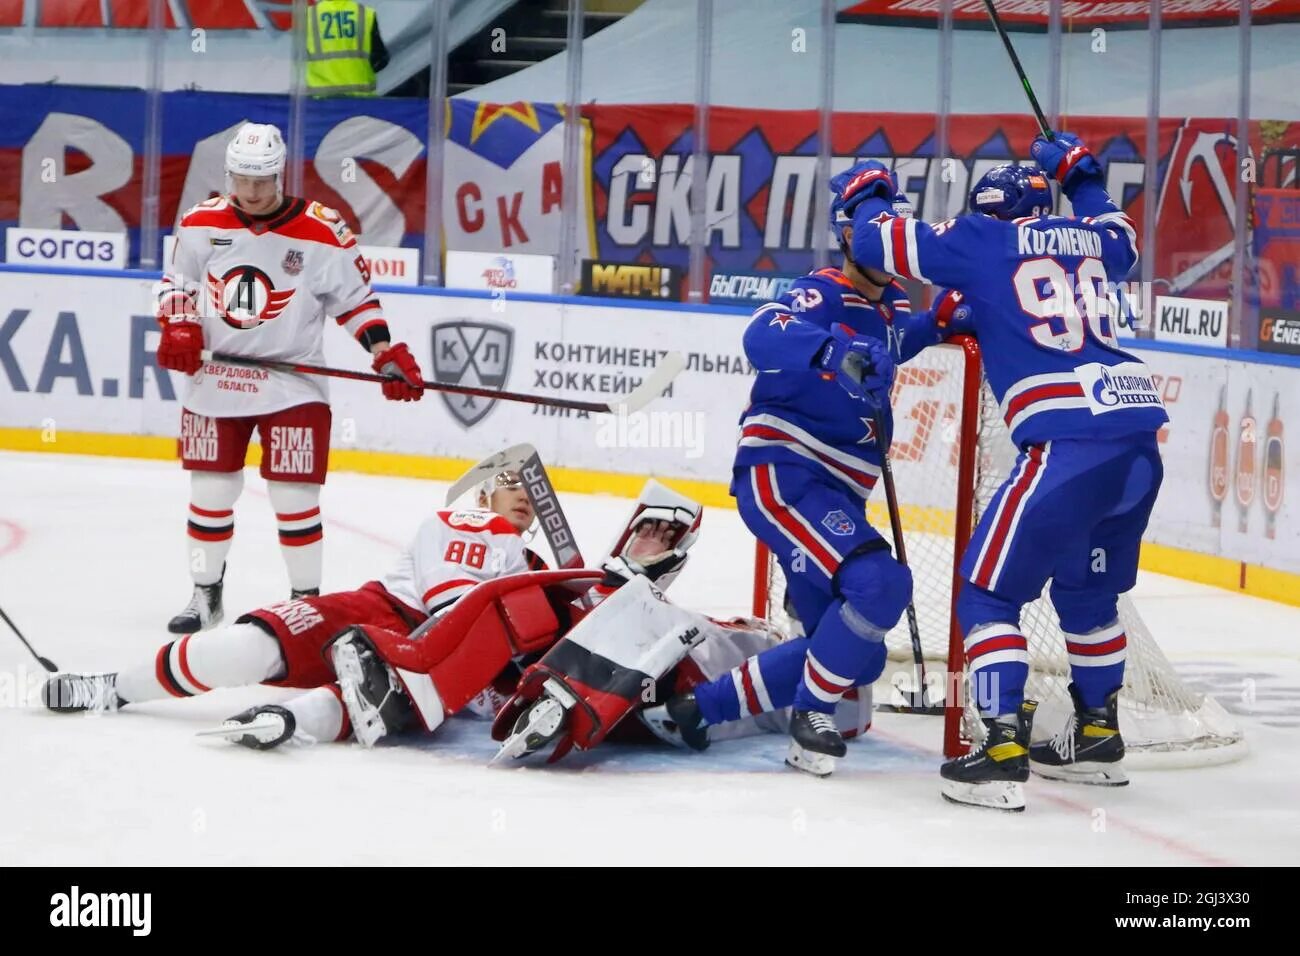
{"points": [[655, 541]]}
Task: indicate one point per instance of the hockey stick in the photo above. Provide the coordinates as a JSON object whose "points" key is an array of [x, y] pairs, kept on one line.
{"points": [[541, 494], [1020, 70], [44, 661], [639, 397], [915, 702]]}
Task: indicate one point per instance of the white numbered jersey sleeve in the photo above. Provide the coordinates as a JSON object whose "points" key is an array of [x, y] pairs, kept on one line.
{"points": [[452, 552]]}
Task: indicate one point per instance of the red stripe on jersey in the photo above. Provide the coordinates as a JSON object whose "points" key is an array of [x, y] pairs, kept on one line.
{"points": [[1097, 650], [368, 304], [447, 586], [308, 228], [477, 521], [868, 481], [781, 514], [1010, 506], [1042, 393], [222, 535], [299, 516], [184, 656], [751, 696], [221, 218], [898, 237]]}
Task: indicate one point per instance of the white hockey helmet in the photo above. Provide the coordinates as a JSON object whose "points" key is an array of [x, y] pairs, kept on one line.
{"points": [[502, 479], [257, 150]]}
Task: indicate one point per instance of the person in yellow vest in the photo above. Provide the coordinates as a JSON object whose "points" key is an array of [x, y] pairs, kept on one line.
{"points": [[344, 49]]}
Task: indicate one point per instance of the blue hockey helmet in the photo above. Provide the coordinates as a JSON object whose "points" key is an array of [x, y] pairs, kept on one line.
{"points": [[1010, 191]]}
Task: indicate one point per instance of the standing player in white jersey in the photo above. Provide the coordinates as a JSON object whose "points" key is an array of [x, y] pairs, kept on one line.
{"points": [[254, 274], [286, 644]]}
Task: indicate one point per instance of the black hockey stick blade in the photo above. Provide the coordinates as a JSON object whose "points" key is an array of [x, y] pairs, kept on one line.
{"points": [[45, 662]]}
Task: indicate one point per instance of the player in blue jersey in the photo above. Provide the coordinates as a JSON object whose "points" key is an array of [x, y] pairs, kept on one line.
{"points": [[1084, 415], [809, 456]]}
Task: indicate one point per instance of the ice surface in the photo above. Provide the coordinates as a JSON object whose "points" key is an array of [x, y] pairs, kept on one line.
{"points": [[92, 564]]}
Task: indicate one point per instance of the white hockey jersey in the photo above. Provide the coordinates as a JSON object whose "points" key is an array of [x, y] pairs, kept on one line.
{"points": [[452, 552], [264, 287]]}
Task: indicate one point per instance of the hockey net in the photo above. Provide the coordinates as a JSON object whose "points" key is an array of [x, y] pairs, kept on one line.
{"points": [[951, 452]]}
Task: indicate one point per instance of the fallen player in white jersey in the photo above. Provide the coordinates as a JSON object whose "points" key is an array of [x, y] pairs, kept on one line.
{"points": [[284, 645]]}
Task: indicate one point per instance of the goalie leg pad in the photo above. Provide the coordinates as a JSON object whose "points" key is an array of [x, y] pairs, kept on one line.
{"points": [[609, 663], [465, 650]]}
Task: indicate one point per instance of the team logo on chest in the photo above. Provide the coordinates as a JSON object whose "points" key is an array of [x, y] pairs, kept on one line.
{"points": [[245, 297], [837, 522], [292, 264]]}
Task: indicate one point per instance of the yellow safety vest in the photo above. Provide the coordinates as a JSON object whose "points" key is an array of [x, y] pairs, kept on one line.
{"points": [[338, 49]]}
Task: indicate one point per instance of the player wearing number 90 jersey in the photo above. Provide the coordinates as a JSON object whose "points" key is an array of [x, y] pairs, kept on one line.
{"points": [[1084, 414]]}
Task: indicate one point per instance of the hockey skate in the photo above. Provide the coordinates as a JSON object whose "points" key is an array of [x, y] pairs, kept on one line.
{"points": [[203, 611], [539, 724], [1088, 749], [259, 728], [678, 722], [296, 595], [372, 694], [77, 693], [993, 776], [815, 743]]}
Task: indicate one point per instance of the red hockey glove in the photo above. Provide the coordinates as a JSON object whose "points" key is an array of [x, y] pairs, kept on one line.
{"points": [[407, 384], [181, 348]]}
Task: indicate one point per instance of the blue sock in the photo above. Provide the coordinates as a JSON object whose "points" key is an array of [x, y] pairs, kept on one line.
{"points": [[838, 658], [762, 683]]}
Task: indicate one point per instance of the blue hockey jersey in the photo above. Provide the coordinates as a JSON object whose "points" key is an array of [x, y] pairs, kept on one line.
{"points": [[795, 413], [1038, 289]]}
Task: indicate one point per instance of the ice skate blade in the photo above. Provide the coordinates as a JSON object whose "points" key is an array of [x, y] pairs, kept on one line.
{"points": [[819, 765], [1089, 773], [993, 795], [367, 726], [270, 724], [536, 728]]}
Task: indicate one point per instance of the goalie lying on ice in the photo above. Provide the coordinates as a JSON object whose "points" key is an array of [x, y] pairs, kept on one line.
{"points": [[450, 630]]}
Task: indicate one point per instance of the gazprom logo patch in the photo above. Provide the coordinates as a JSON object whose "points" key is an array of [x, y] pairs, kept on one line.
{"points": [[1111, 388]]}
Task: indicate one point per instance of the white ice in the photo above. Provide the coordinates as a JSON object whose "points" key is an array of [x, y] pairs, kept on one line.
{"points": [[92, 564]]}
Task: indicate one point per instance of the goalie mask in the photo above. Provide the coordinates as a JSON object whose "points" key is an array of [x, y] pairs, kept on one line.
{"points": [[520, 509]]}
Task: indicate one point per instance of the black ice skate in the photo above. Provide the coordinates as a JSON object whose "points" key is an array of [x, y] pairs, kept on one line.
{"points": [[77, 693], [992, 775], [678, 722], [1088, 749], [259, 728], [815, 743], [375, 701], [203, 611]]}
